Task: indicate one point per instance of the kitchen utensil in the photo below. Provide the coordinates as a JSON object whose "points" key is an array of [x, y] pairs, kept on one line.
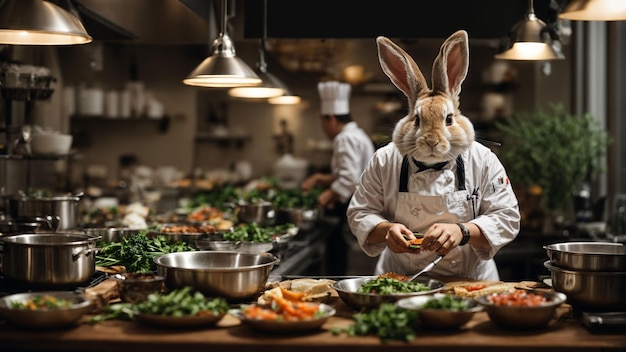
{"points": [[111, 234], [286, 326], [229, 274], [48, 259], [304, 219], [26, 208], [348, 292], [48, 143], [220, 245], [263, 214], [440, 318], [45, 318], [597, 290], [428, 267], [523, 317], [588, 256], [136, 287]]}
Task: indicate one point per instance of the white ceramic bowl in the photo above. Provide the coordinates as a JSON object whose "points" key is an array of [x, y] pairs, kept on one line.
{"points": [[50, 143]]}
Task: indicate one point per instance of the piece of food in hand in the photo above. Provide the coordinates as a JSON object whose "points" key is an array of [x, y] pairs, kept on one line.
{"points": [[416, 243]]}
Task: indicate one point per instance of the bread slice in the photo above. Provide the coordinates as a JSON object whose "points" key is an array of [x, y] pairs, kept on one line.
{"points": [[481, 288]]}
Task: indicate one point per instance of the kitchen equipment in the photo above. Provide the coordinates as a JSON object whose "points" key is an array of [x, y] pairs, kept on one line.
{"points": [[285, 326], [26, 208], [229, 274], [45, 318], [48, 259], [48, 143], [348, 292], [523, 317], [304, 219], [587, 256], [428, 267], [111, 234], [440, 318], [262, 213], [136, 287], [597, 290], [240, 246]]}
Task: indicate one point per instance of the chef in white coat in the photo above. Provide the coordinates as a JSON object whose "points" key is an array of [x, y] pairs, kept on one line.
{"points": [[474, 189], [352, 149]]}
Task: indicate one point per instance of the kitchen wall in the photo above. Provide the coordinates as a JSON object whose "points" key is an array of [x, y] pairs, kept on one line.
{"points": [[162, 68]]}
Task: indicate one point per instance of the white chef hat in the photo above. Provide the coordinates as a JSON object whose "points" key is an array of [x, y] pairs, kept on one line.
{"points": [[335, 97]]}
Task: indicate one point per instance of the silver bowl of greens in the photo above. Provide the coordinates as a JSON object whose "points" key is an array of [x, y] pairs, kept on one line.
{"points": [[370, 291]]}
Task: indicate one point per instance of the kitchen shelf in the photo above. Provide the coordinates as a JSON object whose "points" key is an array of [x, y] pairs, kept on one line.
{"points": [[225, 140], [71, 155], [163, 122]]}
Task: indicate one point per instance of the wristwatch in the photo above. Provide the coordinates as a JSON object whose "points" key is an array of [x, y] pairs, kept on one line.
{"points": [[466, 234]]}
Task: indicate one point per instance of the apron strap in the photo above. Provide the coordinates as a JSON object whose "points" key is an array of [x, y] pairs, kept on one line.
{"points": [[404, 174]]}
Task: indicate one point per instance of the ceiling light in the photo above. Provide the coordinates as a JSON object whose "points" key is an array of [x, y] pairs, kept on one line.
{"points": [[270, 86], [595, 10], [38, 22], [286, 99], [530, 40], [223, 68]]}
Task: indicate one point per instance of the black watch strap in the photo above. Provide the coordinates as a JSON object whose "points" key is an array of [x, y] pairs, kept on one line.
{"points": [[466, 234]]}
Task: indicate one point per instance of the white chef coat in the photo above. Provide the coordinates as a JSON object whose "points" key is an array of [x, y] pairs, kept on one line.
{"points": [[352, 149], [484, 197]]}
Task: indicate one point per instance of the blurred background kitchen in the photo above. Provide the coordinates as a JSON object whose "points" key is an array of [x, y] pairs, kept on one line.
{"points": [[140, 134]]}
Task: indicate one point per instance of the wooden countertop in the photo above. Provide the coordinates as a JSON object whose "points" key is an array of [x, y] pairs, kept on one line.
{"points": [[480, 334]]}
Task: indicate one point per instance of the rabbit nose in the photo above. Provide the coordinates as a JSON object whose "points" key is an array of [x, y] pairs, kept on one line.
{"points": [[432, 141]]}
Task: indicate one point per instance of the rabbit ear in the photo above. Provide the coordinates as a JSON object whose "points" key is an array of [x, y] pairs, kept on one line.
{"points": [[400, 68], [451, 65]]}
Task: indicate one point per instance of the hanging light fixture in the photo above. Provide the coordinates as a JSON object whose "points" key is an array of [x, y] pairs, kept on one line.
{"points": [[530, 40], [271, 86], [288, 98], [223, 69], [595, 10], [39, 22]]}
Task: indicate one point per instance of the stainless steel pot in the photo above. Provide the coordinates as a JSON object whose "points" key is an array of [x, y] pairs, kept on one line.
{"points": [[588, 256], [264, 214], [49, 259], [590, 289], [24, 208]]}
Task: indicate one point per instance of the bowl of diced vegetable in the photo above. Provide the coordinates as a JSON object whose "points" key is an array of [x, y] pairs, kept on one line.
{"points": [[45, 309], [181, 308], [441, 311], [370, 291], [283, 316], [522, 309]]}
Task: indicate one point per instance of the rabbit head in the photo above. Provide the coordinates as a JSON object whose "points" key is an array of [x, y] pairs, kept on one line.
{"points": [[434, 129]]}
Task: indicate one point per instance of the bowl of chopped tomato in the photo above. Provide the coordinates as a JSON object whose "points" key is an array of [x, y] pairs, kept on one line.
{"points": [[522, 309], [49, 309]]}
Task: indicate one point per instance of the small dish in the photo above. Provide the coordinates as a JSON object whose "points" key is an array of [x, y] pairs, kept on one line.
{"points": [[168, 321], [45, 318], [136, 287], [282, 326], [441, 318]]}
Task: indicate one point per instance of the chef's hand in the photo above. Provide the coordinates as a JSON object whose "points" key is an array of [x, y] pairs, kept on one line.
{"points": [[327, 199], [397, 237], [309, 182], [441, 238]]}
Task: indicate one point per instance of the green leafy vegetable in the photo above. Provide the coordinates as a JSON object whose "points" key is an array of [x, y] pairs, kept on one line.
{"points": [[388, 322], [386, 285], [255, 233], [182, 302], [447, 302]]}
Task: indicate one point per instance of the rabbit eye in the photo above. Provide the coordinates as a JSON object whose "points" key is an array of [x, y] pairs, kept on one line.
{"points": [[449, 120], [417, 121]]}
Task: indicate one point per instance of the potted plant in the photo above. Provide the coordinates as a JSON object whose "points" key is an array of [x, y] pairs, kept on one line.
{"points": [[553, 151]]}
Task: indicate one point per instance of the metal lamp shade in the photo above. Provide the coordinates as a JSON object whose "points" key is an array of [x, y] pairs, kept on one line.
{"points": [[38, 22], [595, 10], [530, 41], [270, 87]]}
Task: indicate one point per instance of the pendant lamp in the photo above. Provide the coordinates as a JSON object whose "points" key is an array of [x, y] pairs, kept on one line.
{"points": [[530, 40], [288, 98], [595, 10], [39, 22], [223, 69], [270, 86]]}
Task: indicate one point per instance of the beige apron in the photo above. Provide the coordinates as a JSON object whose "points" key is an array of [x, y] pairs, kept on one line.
{"points": [[419, 211]]}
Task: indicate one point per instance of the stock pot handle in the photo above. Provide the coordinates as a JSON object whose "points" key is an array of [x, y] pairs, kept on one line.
{"points": [[85, 251]]}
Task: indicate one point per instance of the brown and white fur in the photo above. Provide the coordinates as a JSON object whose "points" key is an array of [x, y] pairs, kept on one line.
{"points": [[434, 130]]}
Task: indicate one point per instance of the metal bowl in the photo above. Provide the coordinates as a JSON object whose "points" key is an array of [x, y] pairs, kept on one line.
{"points": [[136, 287], [45, 318], [440, 318], [523, 317], [264, 214], [588, 256], [284, 326], [228, 274], [111, 234], [347, 290], [304, 219], [239, 246], [590, 289]]}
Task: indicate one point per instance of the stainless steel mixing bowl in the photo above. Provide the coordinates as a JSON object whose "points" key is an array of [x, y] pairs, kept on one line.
{"points": [[588, 256], [228, 274]]}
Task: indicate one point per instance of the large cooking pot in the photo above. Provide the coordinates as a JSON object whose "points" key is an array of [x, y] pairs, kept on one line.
{"points": [[49, 259], [590, 289], [25, 208], [588, 256], [263, 213]]}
